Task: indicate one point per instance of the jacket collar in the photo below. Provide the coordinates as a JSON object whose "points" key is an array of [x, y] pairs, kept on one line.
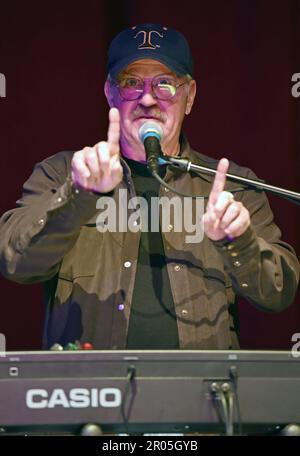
{"points": [[185, 152]]}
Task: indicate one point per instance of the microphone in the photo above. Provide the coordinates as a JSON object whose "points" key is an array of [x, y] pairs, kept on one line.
{"points": [[150, 135]]}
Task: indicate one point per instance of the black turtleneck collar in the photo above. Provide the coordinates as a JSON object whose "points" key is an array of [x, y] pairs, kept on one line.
{"points": [[141, 169]]}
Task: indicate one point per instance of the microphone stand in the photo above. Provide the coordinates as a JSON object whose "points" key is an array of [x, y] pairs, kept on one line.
{"points": [[187, 165]]}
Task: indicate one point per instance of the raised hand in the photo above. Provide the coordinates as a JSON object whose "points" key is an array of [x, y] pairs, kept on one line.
{"points": [[224, 217], [98, 168]]}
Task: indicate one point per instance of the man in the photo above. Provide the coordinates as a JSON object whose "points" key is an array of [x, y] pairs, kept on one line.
{"points": [[141, 289]]}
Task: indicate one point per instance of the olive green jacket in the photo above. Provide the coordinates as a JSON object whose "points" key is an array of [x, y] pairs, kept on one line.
{"points": [[89, 275]]}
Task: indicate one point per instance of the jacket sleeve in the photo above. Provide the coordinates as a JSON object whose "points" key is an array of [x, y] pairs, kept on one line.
{"points": [[35, 236], [263, 268]]}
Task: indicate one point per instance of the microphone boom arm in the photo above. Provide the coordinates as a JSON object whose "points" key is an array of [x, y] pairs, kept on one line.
{"points": [[187, 165]]}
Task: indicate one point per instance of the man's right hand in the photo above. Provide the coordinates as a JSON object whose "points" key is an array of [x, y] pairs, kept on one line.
{"points": [[98, 168]]}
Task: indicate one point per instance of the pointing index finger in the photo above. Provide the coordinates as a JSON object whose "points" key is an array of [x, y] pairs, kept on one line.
{"points": [[219, 181], [113, 134]]}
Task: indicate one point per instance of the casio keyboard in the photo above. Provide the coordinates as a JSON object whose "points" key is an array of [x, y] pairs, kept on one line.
{"points": [[149, 391]]}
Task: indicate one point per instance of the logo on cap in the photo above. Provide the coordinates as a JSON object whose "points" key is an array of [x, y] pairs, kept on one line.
{"points": [[147, 34]]}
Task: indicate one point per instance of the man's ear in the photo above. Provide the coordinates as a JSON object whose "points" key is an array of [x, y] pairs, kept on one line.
{"points": [[191, 96], [108, 94]]}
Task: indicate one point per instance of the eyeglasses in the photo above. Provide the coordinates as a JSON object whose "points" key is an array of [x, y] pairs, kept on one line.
{"points": [[163, 87]]}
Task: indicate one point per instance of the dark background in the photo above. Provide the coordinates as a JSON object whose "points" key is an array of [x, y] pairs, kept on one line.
{"points": [[53, 55]]}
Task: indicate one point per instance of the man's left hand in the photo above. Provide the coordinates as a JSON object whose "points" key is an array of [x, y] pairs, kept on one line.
{"points": [[224, 217]]}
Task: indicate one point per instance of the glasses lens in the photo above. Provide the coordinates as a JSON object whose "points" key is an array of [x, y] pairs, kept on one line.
{"points": [[131, 88], [164, 87]]}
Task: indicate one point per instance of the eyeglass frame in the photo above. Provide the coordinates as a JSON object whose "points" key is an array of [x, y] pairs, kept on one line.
{"points": [[118, 85]]}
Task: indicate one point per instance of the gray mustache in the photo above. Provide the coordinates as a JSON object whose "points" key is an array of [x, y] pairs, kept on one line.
{"points": [[148, 114]]}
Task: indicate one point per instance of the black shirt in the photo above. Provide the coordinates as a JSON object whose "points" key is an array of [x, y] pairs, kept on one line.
{"points": [[152, 323]]}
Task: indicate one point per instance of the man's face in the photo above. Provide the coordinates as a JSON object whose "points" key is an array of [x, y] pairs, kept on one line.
{"points": [[168, 113]]}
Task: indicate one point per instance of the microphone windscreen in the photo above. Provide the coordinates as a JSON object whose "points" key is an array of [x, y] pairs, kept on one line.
{"points": [[150, 128]]}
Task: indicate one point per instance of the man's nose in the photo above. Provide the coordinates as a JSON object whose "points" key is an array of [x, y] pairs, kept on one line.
{"points": [[147, 98]]}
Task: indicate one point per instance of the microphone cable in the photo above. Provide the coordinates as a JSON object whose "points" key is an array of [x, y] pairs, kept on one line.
{"points": [[131, 371]]}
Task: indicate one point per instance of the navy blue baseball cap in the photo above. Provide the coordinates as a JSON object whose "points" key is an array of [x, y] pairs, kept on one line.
{"points": [[150, 41]]}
